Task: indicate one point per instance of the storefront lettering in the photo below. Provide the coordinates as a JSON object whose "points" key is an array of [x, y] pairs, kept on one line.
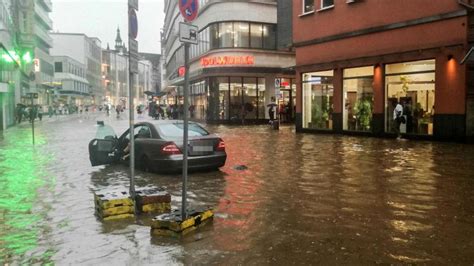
{"points": [[227, 60]]}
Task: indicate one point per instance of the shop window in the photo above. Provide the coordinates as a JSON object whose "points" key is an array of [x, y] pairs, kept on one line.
{"points": [[411, 84], [261, 98], [218, 98], [327, 3], [249, 99], [358, 99], [308, 6], [318, 90]]}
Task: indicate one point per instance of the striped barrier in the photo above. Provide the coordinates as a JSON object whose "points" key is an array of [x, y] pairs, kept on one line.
{"points": [[171, 224]]}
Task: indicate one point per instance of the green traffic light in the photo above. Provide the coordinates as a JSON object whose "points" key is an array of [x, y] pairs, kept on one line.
{"points": [[27, 57]]}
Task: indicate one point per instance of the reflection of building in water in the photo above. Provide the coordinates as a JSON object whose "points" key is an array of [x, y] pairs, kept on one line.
{"points": [[352, 74]]}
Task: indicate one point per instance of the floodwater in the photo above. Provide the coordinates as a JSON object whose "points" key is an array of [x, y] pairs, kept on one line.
{"points": [[303, 199]]}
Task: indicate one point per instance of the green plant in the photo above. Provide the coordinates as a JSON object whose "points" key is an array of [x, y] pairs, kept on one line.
{"points": [[319, 116], [363, 112]]}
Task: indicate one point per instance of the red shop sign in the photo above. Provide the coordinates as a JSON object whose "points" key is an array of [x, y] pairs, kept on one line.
{"points": [[227, 60]]}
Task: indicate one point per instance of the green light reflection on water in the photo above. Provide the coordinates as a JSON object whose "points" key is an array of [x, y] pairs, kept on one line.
{"points": [[22, 174]]}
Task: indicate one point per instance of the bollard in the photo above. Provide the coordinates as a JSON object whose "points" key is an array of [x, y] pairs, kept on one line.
{"points": [[113, 205], [153, 200], [171, 224]]}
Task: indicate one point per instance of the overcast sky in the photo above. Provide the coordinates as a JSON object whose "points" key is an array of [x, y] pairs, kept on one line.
{"points": [[100, 18]]}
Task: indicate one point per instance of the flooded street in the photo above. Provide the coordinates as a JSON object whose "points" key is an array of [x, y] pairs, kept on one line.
{"points": [[303, 199]]}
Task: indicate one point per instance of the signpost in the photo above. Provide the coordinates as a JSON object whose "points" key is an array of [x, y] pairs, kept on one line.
{"points": [[187, 35], [133, 69], [32, 114]]}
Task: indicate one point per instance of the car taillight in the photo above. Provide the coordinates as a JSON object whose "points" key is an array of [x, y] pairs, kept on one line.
{"points": [[170, 149], [221, 145]]}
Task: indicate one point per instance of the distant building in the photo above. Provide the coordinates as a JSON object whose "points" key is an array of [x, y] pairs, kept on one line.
{"points": [[115, 74], [70, 78], [86, 51], [155, 60]]}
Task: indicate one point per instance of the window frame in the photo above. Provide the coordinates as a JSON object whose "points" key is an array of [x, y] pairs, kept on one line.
{"points": [[326, 7], [304, 11]]}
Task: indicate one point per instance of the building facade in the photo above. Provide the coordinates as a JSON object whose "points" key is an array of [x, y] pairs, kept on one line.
{"points": [[115, 76], [70, 79], [33, 27], [351, 75], [88, 52], [10, 73], [155, 60], [237, 68]]}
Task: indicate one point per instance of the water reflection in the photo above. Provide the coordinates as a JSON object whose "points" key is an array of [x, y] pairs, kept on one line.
{"points": [[302, 199], [23, 212]]}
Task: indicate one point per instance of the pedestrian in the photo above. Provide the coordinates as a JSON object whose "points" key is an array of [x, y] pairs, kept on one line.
{"points": [[118, 110], [271, 109], [40, 113], [50, 111], [86, 110], [398, 118], [19, 113]]}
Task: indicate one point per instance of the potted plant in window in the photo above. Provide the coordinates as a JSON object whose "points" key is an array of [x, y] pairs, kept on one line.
{"points": [[363, 112]]}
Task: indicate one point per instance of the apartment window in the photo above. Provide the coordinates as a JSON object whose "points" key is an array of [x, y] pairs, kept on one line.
{"points": [[327, 3], [58, 67], [225, 34], [256, 35], [308, 6]]}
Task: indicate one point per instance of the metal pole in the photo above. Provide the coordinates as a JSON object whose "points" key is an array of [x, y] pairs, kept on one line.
{"points": [[185, 130], [132, 122], [32, 121]]}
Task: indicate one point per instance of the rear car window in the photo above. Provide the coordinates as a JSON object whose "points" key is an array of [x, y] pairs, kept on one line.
{"points": [[175, 130]]}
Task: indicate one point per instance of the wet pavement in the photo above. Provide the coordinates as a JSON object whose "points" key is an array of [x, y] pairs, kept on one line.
{"points": [[302, 199]]}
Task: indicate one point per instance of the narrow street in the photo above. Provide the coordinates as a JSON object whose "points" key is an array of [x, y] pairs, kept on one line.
{"points": [[303, 199]]}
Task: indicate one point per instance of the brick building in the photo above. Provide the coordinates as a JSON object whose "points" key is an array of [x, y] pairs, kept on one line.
{"points": [[355, 59]]}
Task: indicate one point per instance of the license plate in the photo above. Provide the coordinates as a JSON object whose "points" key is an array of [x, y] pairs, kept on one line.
{"points": [[202, 148]]}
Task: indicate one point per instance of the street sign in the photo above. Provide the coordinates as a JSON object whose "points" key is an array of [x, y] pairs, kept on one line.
{"points": [[277, 83], [133, 24], [133, 4], [189, 9], [188, 33]]}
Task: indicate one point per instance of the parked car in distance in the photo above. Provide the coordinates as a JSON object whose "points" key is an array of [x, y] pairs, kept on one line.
{"points": [[159, 147]]}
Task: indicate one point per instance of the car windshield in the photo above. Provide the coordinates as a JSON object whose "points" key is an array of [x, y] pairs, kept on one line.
{"points": [[176, 130]]}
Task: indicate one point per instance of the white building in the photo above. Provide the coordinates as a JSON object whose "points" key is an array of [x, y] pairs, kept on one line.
{"points": [[86, 51], [237, 63], [70, 79]]}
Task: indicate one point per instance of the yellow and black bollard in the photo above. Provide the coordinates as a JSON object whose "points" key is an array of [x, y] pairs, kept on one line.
{"points": [[171, 224], [153, 201], [112, 205]]}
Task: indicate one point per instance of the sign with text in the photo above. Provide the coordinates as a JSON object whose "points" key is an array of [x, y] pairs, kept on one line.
{"points": [[188, 33], [37, 65], [227, 60]]}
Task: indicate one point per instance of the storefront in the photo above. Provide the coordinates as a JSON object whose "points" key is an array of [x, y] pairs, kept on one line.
{"points": [[359, 98]]}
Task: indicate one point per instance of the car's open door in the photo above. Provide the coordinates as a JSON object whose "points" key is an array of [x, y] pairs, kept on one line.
{"points": [[104, 148]]}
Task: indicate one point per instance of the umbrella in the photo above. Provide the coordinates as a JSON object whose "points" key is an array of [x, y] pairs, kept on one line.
{"points": [[272, 105]]}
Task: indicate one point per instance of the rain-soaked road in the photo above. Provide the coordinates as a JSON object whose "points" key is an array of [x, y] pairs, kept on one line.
{"points": [[305, 199]]}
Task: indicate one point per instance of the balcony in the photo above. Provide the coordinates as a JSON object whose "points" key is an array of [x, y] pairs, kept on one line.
{"points": [[42, 15], [43, 35], [46, 4]]}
